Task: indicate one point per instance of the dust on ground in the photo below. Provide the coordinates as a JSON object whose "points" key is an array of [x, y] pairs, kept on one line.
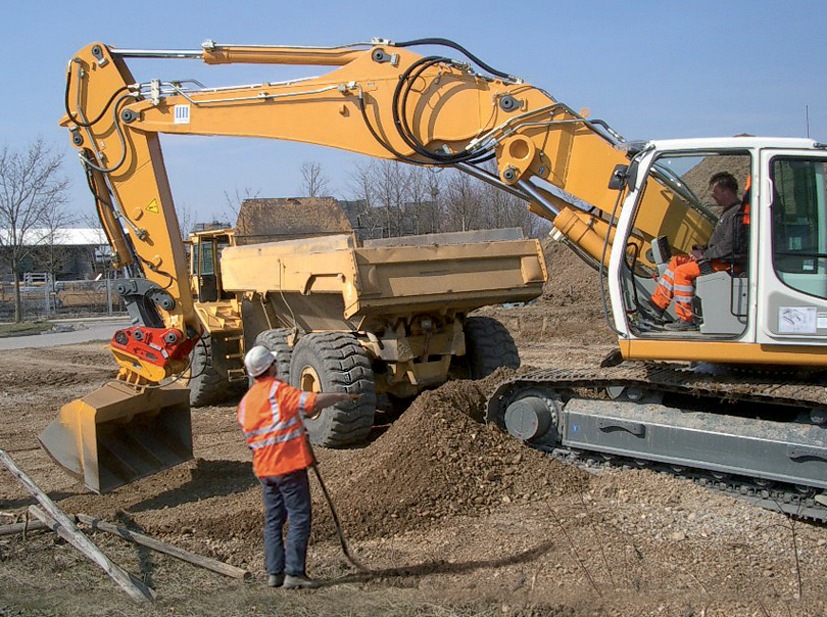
{"points": [[452, 516]]}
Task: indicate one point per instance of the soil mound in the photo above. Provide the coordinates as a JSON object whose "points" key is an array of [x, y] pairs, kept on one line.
{"points": [[439, 460]]}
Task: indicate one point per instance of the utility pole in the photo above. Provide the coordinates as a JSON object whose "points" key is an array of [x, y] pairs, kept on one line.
{"points": [[807, 118]]}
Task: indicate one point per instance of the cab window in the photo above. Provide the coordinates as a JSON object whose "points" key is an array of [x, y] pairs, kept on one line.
{"points": [[799, 219]]}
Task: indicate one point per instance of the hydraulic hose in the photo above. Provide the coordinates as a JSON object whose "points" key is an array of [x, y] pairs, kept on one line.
{"points": [[459, 48], [339, 531]]}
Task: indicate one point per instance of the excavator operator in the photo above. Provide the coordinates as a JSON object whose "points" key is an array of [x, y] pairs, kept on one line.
{"points": [[726, 251]]}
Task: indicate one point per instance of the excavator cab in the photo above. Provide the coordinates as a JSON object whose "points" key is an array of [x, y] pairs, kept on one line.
{"points": [[720, 296]]}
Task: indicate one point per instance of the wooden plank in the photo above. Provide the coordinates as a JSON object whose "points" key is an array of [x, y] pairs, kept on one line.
{"points": [[65, 527], [130, 584], [163, 547], [9, 530]]}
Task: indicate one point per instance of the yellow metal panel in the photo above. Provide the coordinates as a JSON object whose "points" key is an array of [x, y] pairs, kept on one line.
{"points": [[677, 350]]}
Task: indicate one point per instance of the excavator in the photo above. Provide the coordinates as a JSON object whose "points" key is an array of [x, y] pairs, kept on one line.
{"points": [[738, 403]]}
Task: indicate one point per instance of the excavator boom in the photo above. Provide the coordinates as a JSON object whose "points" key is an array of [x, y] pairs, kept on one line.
{"points": [[380, 99]]}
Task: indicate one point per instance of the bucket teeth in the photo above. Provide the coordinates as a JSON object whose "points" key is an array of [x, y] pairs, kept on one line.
{"points": [[119, 433]]}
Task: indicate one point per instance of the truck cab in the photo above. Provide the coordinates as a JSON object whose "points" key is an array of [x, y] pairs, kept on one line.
{"points": [[204, 263]]}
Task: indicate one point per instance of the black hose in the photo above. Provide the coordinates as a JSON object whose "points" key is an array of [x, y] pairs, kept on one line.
{"points": [[342, 540], [459, 48], [402, 126], [77, 120], [339, 531]]}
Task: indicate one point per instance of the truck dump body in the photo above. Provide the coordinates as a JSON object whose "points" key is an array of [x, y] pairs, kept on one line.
{"points": [[331, 280]]}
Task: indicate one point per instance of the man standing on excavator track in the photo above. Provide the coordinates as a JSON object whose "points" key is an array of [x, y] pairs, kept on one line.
{"points": [[271, 416]]}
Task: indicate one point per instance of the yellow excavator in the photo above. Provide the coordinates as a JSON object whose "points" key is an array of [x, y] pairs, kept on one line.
{"points": [[739, 402]]}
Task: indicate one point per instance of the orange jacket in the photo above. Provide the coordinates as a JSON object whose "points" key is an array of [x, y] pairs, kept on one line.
{"points": [[270, 414]]}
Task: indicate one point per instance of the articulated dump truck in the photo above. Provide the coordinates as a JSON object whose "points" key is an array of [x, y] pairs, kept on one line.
{"points": [[386, 316]]}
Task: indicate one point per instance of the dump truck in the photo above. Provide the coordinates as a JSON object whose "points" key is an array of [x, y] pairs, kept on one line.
{"points": [[707, 402], [397, 309]]}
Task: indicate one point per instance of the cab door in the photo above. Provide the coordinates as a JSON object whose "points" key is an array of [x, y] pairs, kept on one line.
{"points": [[793, 248], [206, 267]]}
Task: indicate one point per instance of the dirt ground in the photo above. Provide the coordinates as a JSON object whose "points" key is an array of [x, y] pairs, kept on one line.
{"points": [[452, 517]]}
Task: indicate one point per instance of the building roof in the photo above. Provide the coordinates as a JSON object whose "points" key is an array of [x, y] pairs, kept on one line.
{"points": [[64, 236], [266, 220]]}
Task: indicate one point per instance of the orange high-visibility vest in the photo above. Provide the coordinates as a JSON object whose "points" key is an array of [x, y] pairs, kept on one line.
{"points": [[270, 415], [745, 200]]}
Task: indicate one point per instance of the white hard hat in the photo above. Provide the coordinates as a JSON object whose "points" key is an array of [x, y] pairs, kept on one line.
{"points": [[258, 360]]}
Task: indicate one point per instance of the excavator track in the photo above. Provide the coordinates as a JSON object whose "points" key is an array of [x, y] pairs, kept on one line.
{"points": [[751, 437]]}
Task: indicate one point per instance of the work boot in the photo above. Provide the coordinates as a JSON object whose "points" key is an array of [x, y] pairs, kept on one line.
{"points": [[654, 311], [275, 580], [299, 582], [681, 326], [647, 323]]}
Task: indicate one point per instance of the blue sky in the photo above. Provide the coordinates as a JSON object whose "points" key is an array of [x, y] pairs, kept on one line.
{"points": [[651, 69]]}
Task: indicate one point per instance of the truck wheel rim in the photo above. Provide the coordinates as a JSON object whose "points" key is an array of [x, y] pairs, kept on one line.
{"points": [[309, 382]]}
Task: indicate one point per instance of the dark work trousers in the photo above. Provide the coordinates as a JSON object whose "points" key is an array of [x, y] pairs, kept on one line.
{"points": [[286, 498]]}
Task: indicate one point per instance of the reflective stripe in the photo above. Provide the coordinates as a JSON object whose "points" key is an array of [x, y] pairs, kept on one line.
{"points": [[685, 288], [274, 405], [274, 440], [683, 300], [303, 402], [272, 428]]}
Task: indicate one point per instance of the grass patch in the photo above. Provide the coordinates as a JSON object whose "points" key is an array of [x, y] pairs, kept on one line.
{"points": [[24, 327]]}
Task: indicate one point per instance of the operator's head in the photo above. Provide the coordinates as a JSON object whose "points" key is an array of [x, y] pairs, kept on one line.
{"points": [[724, 188], [258, 361]]}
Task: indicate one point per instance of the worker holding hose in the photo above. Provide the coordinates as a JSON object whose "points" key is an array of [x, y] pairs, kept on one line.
{"points": [[271, 417]]}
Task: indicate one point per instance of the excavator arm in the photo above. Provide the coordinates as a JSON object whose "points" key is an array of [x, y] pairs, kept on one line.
{"points": [[380, 100]]}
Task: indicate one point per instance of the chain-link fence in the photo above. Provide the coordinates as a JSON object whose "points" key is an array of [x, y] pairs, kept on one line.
{"points": [[43, 298]]}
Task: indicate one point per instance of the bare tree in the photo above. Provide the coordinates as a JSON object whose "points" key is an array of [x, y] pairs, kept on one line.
{"points": [[315, 183], [422, 212], [462, 203], [391, 186], [363, 216], [232, 203], [186, 219], [51, 250], [31, 187]]}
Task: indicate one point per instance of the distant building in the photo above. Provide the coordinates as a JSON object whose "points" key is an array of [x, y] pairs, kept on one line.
{"points": [[288, 218], [65, 253]]}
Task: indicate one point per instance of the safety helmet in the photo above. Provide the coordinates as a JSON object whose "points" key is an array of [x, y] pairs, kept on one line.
{"points": [[258, 360]]}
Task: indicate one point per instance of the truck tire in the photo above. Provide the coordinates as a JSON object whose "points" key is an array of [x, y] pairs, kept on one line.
{"points": [[276, 340], [335, 362], [488, 346], [207, 386]]}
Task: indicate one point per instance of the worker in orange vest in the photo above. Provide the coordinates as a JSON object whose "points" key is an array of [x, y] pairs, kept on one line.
{"points": [[271, 417], [726, 251]]}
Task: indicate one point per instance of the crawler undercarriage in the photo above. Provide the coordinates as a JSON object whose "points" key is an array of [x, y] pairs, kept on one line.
{"points": [[752, 436]]}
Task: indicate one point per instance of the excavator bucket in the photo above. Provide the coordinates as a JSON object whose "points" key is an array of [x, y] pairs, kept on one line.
{"points": [[118, 434]]}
